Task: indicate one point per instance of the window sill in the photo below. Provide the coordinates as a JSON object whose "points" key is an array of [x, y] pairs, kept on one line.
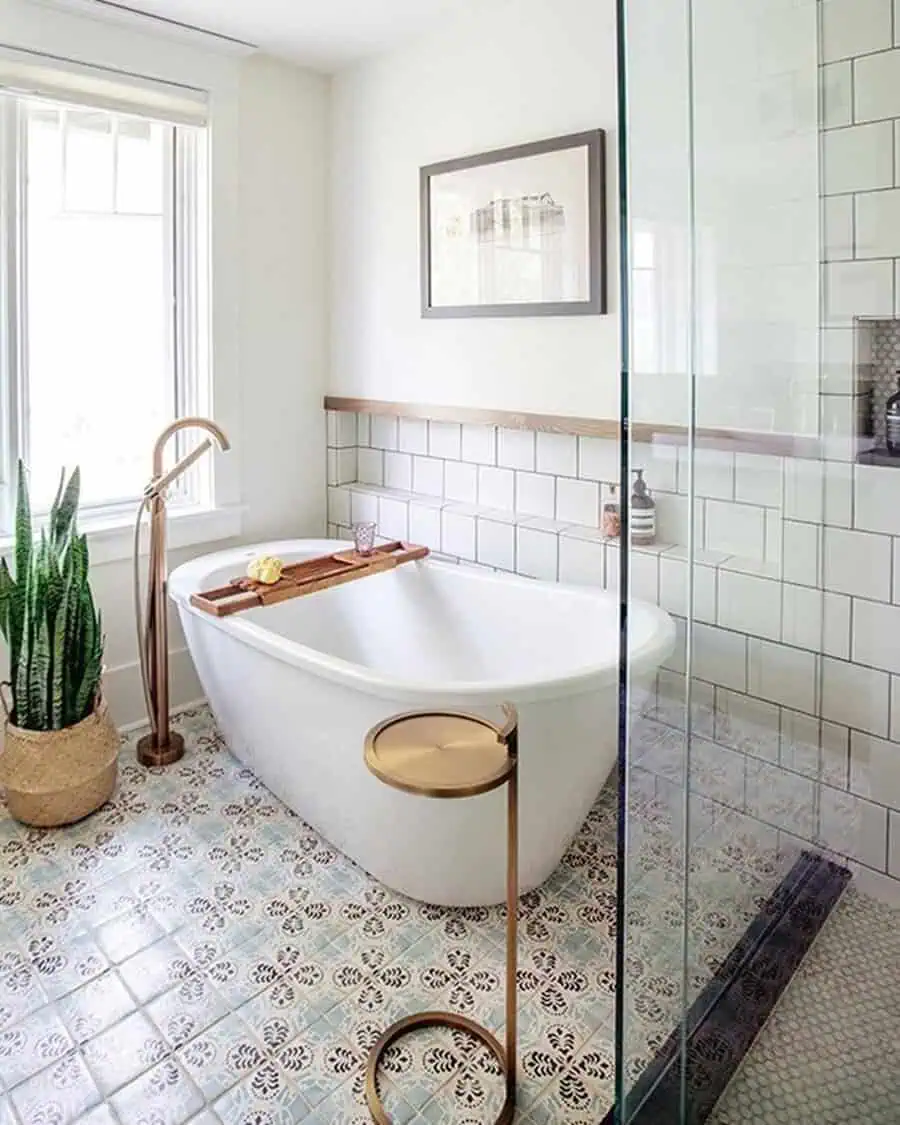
{"points": [[111, 539]]}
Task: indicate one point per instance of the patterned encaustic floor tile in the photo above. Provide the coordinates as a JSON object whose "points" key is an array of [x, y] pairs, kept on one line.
{"points": [[196, 953]]}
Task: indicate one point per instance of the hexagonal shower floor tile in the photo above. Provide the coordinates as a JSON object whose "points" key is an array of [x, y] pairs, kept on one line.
{"points": [[830, 1052]]}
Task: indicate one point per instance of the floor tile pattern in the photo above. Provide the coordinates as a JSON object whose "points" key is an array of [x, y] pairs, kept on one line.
{"points": [[830, 1052], [196, 953]]}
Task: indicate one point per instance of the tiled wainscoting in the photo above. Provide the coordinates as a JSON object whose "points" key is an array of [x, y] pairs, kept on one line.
{"points": [[796, 597]]}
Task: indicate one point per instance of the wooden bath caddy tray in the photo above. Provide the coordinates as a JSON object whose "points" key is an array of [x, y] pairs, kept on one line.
{"points": [[305, 578]]}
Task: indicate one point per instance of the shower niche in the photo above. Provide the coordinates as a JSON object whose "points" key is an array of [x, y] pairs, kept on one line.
{"points": [[877, 367]]}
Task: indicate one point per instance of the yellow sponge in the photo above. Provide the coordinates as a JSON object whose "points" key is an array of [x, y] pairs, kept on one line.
{"points": [[265, 569]]}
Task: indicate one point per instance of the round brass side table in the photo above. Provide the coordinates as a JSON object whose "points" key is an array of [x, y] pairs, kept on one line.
{"points": [[449, 755]]}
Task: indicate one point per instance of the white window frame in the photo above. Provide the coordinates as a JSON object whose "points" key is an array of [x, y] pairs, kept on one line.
{"points": [[187, 269]]}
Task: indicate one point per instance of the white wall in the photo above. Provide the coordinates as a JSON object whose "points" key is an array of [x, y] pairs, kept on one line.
{"points": [[514, 72], [283, 183], [269, 188], [745, 195]]}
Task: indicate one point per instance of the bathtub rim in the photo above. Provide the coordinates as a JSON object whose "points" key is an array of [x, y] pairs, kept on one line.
{"points": [[193, 575]]}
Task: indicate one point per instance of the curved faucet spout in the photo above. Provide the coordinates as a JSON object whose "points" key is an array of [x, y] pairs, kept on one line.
{"points": [[185, 424]]}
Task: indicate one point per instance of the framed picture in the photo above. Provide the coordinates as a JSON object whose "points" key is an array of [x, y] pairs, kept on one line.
{"points": [[518, 231]]}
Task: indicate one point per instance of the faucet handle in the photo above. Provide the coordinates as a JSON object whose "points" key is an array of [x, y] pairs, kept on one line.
{"points": [[159, 484]]}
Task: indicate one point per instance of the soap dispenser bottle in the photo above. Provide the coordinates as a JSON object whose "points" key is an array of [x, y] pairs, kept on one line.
{"points": [[892, 421], [643, 512]]}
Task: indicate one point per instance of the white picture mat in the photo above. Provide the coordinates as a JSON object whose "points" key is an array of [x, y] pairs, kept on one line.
{"points": [[465, 271]]}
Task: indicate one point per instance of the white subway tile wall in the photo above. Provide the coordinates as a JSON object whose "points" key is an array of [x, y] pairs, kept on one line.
{"points": [[796, 591], [557, 454], [536, 495], [413, 435], [461, 482], [855, 27], [516, 449], [577, 501], [858, 563], [497, 544], [383, 434], [457, 534], [398, 471], [740, 595], [537, 553], [837, 100], [479, 444], [424, 523], [428, 476], [582, 562], [598, 459], [393, 518], [370, 466], [445, 440]]}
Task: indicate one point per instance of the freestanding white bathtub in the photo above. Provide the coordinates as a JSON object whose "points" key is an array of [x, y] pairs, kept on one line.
{"points": [[296, 686]]}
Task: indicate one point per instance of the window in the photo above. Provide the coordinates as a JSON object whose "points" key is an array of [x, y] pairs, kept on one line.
{"points": [[103, 296]]}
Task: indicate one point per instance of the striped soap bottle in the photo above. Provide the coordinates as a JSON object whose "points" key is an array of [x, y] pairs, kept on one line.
{"points": [[643, 512]]}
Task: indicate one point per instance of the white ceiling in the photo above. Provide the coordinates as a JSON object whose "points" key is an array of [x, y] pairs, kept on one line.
{"points": [[324, 34]]}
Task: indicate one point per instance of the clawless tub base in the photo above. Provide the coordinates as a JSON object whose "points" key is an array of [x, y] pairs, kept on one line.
{"points": [[295, 688]]}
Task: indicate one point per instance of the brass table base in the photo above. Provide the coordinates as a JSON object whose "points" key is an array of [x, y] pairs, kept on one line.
{"points": [[436, 1019], [149, 754], [452, 755]]}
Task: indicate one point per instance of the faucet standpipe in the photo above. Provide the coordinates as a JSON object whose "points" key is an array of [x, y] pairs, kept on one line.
{"points": [[161, 746]]}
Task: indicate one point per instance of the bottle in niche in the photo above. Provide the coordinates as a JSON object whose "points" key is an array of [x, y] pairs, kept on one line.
{"points": [[643, 512], [611, 523], [866, 421], [892, 421]]}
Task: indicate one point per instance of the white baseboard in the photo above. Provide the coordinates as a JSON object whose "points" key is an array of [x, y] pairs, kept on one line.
{"points": [[143, 724], [123, 692], [125, 696]]}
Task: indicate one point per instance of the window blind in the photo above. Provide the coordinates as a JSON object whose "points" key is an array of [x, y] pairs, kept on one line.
{"points": [[31, 74]]}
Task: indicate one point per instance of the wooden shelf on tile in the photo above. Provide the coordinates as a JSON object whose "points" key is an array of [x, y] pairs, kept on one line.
{"points": [[307, 577], [731, 440]]}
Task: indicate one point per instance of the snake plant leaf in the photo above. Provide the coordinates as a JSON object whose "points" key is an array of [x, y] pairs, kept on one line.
{"points": [[22, 562], [48, 616], [78, 549], [78, 644], [21, 702], [54, 507], [90, 681], [22, 552], [55, 587], [61, 519], [58, 715], [39, 678], [6, 593]]}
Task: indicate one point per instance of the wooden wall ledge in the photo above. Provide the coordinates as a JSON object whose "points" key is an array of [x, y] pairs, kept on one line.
{"points": [[735, 441]]}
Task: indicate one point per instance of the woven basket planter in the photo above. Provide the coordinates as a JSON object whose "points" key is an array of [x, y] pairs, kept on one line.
{"points": [[60, 776]]}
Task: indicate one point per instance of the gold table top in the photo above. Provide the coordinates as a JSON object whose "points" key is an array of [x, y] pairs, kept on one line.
{"points": [[439, 754]]}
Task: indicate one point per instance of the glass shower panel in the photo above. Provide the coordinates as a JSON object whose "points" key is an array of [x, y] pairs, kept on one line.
{"points": [[720, 393], [755, 173], [656, 285]]}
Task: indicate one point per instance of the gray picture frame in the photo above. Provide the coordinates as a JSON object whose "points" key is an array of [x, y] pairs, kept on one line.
{"points": [[594, 141]]}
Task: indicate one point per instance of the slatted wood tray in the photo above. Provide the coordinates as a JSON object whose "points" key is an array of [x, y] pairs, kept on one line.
{"points": [[305, 577]]}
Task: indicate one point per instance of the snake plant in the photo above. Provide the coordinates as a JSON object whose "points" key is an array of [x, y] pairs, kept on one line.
{"points": [[48, 617]]}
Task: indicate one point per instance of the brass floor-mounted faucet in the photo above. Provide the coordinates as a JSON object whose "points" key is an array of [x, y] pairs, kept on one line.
{"points": [[161, 746]]}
